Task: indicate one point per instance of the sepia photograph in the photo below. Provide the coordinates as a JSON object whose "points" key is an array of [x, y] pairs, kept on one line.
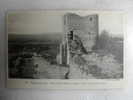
{"points": [[65, 45]]}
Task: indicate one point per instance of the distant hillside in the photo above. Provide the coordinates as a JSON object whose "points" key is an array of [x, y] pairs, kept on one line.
{"points": [[35, 38]]}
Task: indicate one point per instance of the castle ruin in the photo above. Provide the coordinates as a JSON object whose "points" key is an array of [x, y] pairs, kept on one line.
{"points": [[85, 27]]}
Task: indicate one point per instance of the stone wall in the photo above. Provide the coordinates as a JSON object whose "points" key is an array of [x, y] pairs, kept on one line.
{"points": [[85, 27]]}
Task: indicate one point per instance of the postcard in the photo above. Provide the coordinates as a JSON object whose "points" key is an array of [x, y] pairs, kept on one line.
{"points": [[65, 49]]}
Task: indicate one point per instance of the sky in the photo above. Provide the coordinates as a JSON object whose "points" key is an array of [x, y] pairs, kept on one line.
{"points": [[113, 23], [41, 22]]}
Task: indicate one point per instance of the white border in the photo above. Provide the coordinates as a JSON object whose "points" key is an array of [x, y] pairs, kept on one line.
{"points": [[69, 83]]}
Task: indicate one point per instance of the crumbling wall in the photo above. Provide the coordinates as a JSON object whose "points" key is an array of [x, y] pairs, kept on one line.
{"points": [[85, 27]]}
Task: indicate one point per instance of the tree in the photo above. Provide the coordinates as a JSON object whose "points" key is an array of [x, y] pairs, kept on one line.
{"points": [[103, 40]]}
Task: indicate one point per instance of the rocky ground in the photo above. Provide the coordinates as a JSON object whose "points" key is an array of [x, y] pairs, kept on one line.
{"points": [[95, 66], [86, 66], [46, 70]]}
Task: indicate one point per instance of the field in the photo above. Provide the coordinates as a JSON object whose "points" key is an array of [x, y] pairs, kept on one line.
{"points": [[34, 56]]}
